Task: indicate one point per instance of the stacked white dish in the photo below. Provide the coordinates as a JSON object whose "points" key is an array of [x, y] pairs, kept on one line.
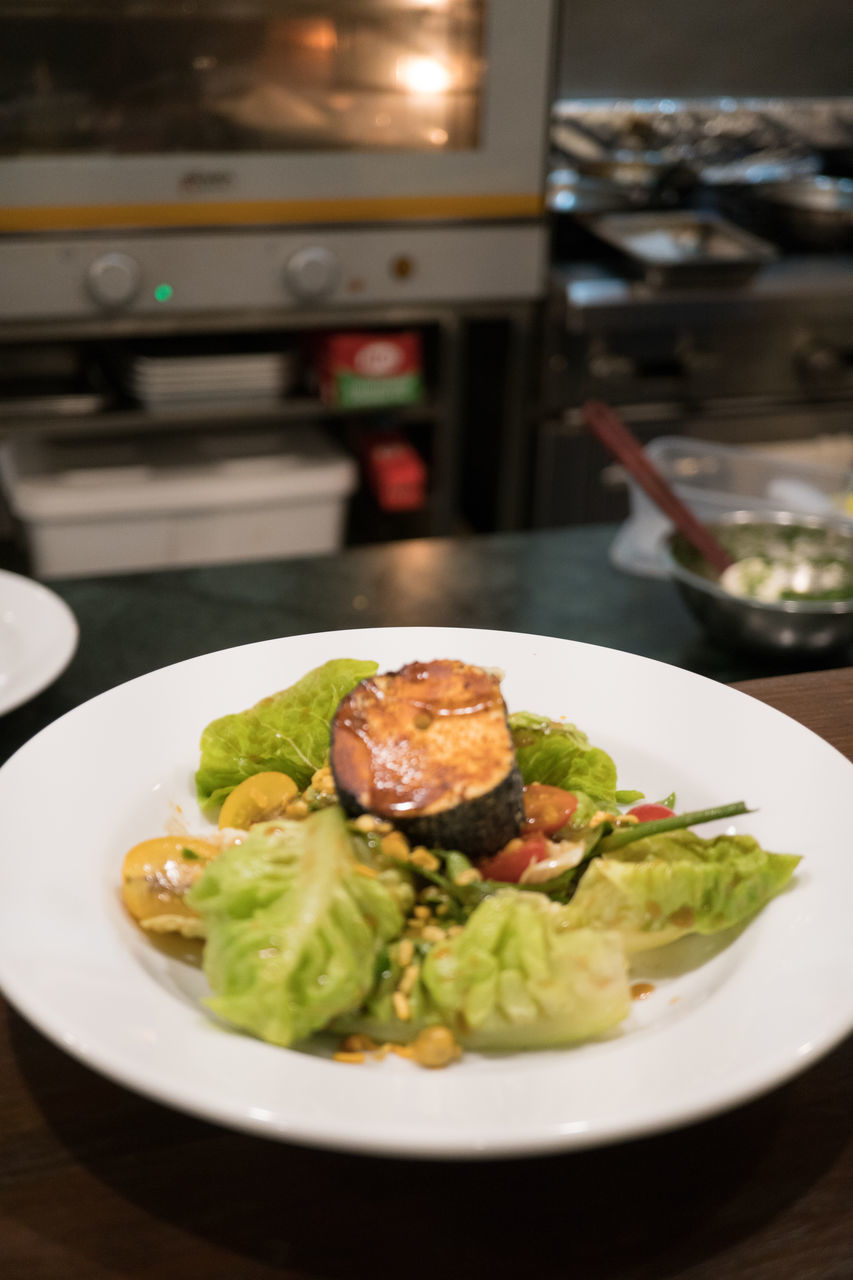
{"points": [[161, 382]]}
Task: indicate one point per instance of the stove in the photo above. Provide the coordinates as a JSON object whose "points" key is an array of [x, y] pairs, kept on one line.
{"points": [[764, 358]]}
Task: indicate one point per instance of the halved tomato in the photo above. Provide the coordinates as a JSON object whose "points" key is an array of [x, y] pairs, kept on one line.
{"points": [[651, 812], [546, 808], [510, 863]]}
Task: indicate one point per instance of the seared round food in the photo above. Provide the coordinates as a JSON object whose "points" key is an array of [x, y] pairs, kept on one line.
{"points": [[428, 747]]}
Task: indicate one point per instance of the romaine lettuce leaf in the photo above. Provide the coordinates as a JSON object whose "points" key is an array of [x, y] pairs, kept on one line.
{"points": [[288, 732], [661, 887], [294, 925], [560, 755], [515, 977]]}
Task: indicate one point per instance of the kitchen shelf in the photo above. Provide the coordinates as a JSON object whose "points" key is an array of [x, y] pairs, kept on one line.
{"points": [[475, 444], [140, 418]]}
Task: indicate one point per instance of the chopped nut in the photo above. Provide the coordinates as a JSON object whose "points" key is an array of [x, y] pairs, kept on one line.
{"points": [[357, 1042], [323, 782], [406, 952], [402, 1008], [348, 1057], [421, 857], [421, 913], [433, 933], [601, 816], [296, 809], [435, 1047], [409, 978], [395, 845], [470, 876], [366, 822]]}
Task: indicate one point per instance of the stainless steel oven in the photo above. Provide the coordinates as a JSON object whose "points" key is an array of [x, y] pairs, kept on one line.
{"points": [[157, 156]]}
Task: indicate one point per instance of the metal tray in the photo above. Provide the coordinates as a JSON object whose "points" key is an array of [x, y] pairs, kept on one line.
{"points": [[683, 248]]}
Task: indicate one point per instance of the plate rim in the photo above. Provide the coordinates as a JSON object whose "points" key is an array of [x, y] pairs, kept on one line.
{"points": [[66, 638]]}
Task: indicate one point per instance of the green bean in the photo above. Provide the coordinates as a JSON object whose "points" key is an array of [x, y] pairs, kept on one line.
{"points": [[638, 830]]}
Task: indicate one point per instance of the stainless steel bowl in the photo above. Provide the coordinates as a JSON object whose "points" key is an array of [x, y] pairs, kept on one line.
{"points": [[783, 627]]}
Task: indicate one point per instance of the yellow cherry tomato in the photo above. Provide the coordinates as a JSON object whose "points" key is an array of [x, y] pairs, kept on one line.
{"points": [[257, 799], [157, 873]]}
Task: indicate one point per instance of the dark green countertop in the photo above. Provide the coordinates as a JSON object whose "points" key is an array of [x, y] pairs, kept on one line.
{"points": [[553, 582]]}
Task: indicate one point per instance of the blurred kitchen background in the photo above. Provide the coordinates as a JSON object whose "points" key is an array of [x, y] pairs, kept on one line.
{"points": [[278, 278]]}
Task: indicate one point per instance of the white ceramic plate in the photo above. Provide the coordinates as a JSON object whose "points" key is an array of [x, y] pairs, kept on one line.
{"points": [[727, 1020], [38, 637]]}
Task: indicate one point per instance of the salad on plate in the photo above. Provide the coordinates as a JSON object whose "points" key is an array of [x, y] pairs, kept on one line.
{"points": [[395, 859]]}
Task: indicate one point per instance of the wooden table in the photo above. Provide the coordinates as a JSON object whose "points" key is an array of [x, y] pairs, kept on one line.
{"points": [[96, 1182]]}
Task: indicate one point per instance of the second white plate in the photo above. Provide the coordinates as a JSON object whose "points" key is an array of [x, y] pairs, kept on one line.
{"points": [[38, 638]]}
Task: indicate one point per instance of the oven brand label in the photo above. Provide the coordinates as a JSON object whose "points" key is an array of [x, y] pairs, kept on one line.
{"points": [[206, 180]]}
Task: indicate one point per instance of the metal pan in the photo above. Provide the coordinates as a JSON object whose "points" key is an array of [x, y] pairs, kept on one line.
{"points": [[816, 211], [683, 249]]}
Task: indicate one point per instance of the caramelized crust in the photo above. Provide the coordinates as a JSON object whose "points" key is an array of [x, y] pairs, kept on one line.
{"points": [[429, 748], [422, 739]]}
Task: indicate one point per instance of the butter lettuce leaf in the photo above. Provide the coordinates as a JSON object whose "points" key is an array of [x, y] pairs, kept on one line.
{"points": [[288, 732], [662, 887], [515, 977], [294, 926], [560, 755]]}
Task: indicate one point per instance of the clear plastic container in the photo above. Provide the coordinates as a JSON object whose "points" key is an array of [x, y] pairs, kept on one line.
{"points": [[714, 478]]}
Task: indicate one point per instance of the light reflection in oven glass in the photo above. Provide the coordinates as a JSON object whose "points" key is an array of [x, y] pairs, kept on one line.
{"points": [[403, 74]]}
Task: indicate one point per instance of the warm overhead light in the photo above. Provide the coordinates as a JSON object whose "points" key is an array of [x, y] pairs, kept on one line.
{"points": [[423, 75]]}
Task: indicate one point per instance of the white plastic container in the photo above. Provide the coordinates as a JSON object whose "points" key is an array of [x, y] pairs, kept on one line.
{"points": [[714, 478], [95, 507]]}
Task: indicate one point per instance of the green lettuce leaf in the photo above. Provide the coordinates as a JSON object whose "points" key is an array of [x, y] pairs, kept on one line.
{"points": [[288, 731], [662, 887], [560, 755], [293, 926], [514, 978]]}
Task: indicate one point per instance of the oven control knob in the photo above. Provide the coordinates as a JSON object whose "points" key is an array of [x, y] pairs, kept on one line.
{"points": [[113, 279], [312, 273]]}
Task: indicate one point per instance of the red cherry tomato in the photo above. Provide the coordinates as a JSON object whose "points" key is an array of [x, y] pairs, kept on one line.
{"points": [[510, 863], [651, 812], [547, 809]]}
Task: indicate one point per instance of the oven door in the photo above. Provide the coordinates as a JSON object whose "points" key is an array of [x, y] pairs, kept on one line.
{"points": [[116, 114]]}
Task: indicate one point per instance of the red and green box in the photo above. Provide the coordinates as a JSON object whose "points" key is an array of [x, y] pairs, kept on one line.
{"points": [[370, 370]]}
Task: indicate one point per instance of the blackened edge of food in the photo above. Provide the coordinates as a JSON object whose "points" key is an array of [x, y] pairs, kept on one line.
{"points": [[481, 825], [476, 827]]}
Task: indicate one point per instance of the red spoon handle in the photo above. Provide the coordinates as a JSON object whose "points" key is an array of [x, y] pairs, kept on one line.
{"points": [[615, 436]]}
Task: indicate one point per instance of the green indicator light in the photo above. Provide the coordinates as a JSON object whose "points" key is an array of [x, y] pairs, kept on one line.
{"points": [[163, 292]]}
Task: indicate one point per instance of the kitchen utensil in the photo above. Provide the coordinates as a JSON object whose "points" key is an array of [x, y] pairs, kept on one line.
{"points": [[623, 444]]}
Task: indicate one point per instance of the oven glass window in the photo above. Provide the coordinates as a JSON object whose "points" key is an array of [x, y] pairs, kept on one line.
{"points": [[142, 77]]}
